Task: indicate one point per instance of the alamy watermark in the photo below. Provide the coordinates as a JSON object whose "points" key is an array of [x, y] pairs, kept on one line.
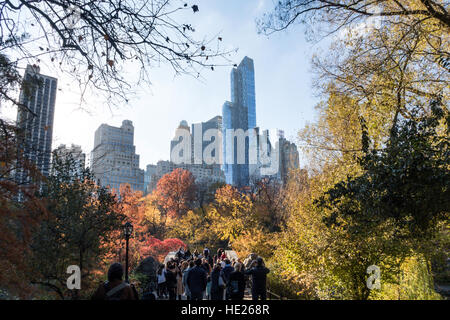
{"points": [[74, 280], [233, 146], [373, 281]]}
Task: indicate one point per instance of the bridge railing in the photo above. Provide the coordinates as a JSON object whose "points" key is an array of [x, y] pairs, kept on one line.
{"points": [[271, 294]]}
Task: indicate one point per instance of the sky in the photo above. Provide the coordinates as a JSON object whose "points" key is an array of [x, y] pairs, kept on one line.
{"points": [[283, 83]]}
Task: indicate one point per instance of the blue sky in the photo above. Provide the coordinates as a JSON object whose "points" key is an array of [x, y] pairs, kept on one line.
{"points": [[284, 98]]}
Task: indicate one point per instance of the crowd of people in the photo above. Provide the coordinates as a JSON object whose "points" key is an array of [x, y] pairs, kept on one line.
{"points": [[195, 277]]}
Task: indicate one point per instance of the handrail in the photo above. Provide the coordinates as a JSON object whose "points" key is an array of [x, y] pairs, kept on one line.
{"points": [[274, 294]]}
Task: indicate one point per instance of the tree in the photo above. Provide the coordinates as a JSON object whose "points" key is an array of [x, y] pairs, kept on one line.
{"points": [[159, 249], [269, 203], [408, 180], [387, 57], [231, 213], [96, 41], [342, 13], [81, 218], [20, 210], [196, 228], [393, 209], [175, 193]]}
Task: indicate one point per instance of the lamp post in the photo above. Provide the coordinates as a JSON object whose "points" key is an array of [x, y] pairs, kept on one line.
{"points": [[127, 230]]}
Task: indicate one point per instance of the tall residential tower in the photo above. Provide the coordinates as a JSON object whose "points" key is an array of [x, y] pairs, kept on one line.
{"points": [[240, 113], [35, 119]]}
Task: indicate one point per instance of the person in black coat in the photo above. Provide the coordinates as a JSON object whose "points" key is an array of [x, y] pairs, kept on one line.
{"points": [[236, 283], [216, 289], [207, 256], [226, 271], [259, 279], [187, 254], [196, 280], [171, 281]]}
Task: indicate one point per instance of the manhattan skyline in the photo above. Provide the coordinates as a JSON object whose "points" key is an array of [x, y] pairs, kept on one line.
{"points": [[282, 76]]}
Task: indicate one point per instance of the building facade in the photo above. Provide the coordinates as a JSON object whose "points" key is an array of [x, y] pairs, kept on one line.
{"points": [[114, 160], [202, 173], [240, 113], [279, 157], [35, 120], [75, 153]]}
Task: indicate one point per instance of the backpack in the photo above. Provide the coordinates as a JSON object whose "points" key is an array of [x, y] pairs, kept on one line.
{"points": [[116, 292]]}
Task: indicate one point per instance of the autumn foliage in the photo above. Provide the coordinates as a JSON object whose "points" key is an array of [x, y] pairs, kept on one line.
{"points": [[159, 249], [175, 193]]}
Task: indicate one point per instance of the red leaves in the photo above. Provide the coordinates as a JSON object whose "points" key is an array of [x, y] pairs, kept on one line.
{"points": [[159, 249]]}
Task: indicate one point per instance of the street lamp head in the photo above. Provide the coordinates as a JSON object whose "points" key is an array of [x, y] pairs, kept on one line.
{"points": [[128, 229]]}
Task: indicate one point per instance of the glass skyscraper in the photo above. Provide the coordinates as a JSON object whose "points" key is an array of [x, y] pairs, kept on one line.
{"points": [[243, 89], [240, 113]]}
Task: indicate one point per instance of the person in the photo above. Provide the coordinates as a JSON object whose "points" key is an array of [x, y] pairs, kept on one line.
{"points": [[217, 283], [180, 254], [171, 280], [259, 279], [226, 271], [196, 254], [236, 283], [206, 266], [207, 256], [115, 288], [179, 274], [185, 273], [223, 256], [161, 282], [187, 254], [219, 255], [196, 280]]}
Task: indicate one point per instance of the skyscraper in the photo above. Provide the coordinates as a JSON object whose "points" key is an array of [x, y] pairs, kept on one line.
{"points": [[279, 157], [35, 119], [75, 154], [243, 89], [202, 136], [240, 113], [114, 160]]}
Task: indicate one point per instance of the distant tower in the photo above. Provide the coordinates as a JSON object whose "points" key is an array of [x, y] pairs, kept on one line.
{"points": [[183, 131], [75, 154], [35, 120], [240, 113], [114, 160]]}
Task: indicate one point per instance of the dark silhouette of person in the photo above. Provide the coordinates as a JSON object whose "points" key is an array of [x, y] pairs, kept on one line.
{"points": [[197, 280], [259, 279], [115, 288]]}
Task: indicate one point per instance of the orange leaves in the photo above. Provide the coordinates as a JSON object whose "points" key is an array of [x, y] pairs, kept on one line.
{"points": [[175, 192]]}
